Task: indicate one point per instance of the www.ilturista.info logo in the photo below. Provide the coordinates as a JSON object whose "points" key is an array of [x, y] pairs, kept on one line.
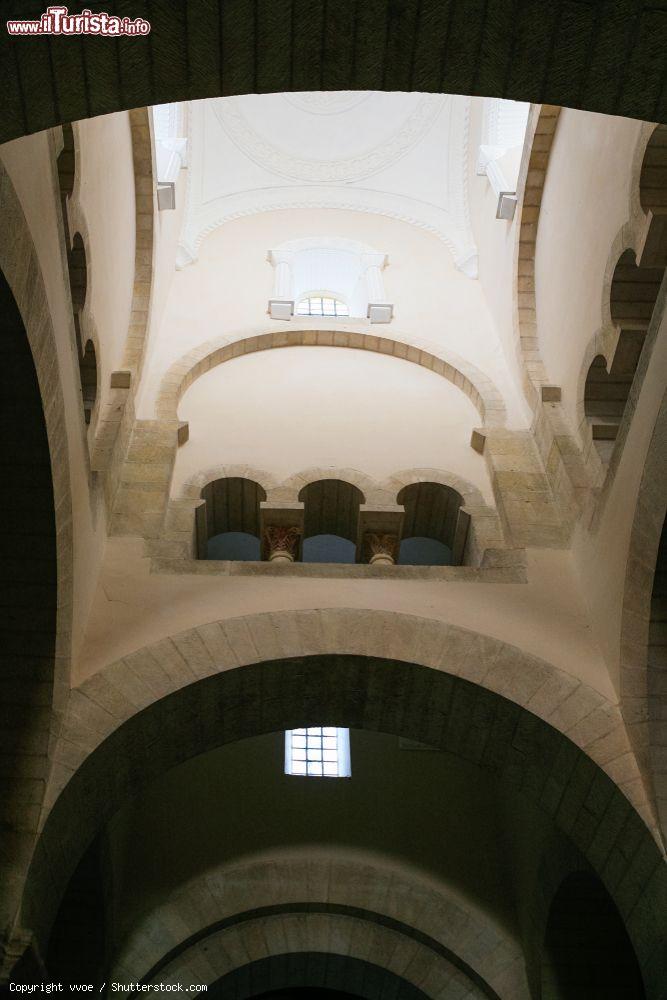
{"points": [[58, 21]]}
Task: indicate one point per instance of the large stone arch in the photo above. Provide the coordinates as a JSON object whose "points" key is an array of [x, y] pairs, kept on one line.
{"points": [[643, 697], [37, 592], [268, 935], [585, 57], [445, 922], [316, 975], [480, 389], [103, 759], [117, 692]]}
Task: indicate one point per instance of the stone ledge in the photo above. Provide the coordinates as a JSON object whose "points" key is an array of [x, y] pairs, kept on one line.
{"points": [[514, 570]]}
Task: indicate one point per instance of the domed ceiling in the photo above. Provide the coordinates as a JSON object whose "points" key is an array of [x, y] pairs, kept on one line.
{"points": [[399, 155]]}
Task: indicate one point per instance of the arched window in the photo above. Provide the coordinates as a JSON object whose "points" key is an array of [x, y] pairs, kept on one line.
{"points": [[634, 290], [227, 523], [653, 179], [88, 379], [78, 273], [67, 164], [435, 529], [331, 520], [330, 278], [587, 952], [321, 304]]}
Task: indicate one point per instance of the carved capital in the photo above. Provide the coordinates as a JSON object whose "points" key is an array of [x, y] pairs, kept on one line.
{"points": [[281, 542], [380, 549]]}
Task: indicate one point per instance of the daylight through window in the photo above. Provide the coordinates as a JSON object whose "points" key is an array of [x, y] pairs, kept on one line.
{"points": [[318, 752], [322, 305]]}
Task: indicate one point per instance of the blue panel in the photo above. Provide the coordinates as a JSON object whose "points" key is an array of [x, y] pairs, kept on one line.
{"points": [[424, 552], [236, 545], [329, 549]]}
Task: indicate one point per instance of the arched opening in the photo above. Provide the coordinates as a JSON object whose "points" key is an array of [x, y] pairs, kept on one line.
{"points": [[507, 744], [587, 952], [331, 519], [634, 290], [653, 178], [322, 304], [656, 663], [390, 46], [88, 378], [78, 273], [313, 976], [28, 583], [227, 522], [66, 174], [435, 528]]}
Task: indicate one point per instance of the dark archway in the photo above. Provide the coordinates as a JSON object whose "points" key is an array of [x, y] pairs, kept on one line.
{"points": [[28, 588], [227, 523], [587, 952], [522, 752], [313, 976], [595, 56], [657, 662]]}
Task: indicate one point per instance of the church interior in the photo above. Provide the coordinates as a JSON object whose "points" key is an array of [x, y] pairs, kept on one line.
{"points": [[333, 630]]}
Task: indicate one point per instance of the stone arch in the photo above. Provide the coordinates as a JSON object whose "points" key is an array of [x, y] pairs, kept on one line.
{"points": [[193, 486], [447, 922], [265, 936], [540, 132], [486, 530], [183, 373], [112, 428], [643, 700], [429, 48], [39, 688], [148, 712], [639, 249], [314, 976], [229, 505], [587, 953]]}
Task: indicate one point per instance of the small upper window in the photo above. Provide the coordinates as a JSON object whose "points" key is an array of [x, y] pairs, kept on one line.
{"points": [[321, 305], [318, 752]]}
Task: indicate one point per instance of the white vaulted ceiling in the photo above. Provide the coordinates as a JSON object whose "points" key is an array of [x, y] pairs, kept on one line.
{"points": [[399, 155]]}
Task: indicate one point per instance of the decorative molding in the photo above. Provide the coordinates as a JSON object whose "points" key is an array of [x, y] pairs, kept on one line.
{"points": [[450, 223], [327, 102], [229, 113]]}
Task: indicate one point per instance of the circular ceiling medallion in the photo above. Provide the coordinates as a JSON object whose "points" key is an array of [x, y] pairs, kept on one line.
{"points": [[327, 102], [229, 112]]}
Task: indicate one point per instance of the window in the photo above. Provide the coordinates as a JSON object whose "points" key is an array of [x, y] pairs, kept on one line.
{"points": [[321, 305], [318, 752]]}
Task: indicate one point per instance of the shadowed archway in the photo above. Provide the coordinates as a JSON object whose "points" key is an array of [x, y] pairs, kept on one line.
{"points": [[593, 56], [313, 976], [383, 695]]}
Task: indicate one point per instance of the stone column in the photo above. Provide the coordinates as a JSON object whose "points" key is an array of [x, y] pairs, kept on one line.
{"points": [[282, 528], [380, 550], [378, 310], [379, 536], [281, 304]]}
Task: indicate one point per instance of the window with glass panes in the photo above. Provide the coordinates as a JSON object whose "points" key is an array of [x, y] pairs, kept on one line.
{"points": [[322, 305], [318, 752]]}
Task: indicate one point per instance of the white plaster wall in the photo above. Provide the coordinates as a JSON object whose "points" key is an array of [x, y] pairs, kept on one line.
{"points": [[167, 226], [30, 162], [225, 293], [586, 200], [105, 194], [295, 408], [546, 617], [495, 239]]}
